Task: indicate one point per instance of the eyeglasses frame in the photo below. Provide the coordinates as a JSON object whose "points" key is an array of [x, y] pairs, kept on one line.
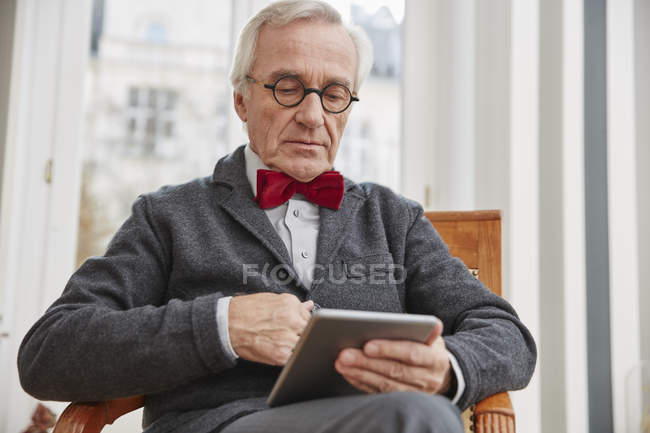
{"points": [[306, 91]]}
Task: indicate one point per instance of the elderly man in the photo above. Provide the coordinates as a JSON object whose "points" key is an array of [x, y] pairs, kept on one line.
{"points": [[206, 288]]}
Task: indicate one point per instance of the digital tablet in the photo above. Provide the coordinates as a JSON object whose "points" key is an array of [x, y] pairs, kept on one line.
{"points": [[310, 371]]}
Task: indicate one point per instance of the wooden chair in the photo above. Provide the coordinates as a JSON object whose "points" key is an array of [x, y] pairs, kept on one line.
{"points": [[473, 236]]}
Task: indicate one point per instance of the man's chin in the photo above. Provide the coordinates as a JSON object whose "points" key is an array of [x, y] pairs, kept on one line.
{"points": [[306, 172]]}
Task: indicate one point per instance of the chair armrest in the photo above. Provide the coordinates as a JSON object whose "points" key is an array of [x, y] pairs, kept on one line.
{"points": [[494, 415], [491, 415], [91, 417]]}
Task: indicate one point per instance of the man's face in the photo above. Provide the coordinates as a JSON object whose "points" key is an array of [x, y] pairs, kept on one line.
{"points": [[300, 141]]}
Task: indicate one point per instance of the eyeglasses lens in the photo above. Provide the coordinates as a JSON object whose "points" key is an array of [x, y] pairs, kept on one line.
{"points": [[289, 91], [336, 98]]}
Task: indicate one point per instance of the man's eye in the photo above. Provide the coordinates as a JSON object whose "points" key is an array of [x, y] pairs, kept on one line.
{"points": [[335, 95], [288, 90]]}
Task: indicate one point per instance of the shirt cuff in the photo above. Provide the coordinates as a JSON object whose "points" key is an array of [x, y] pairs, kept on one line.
{"points": [[222, 325], [460, 380]]}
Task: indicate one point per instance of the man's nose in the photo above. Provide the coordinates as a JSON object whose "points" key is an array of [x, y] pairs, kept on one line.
{"points": [[310, 112]]}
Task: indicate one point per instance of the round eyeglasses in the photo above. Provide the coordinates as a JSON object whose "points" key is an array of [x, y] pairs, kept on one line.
{"points": [[289, 91]]}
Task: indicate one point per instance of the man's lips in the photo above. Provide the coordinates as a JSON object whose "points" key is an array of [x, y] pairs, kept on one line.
{"points": [[306, 142]]}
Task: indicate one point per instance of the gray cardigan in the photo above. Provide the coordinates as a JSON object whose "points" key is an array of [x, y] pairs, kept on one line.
{"points": [[141, 319]]}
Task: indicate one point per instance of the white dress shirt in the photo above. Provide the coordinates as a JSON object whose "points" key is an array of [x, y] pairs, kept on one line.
{"points": [[297, 222]]}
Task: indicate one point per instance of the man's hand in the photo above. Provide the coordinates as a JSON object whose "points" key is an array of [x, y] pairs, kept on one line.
{"points": [[265, 327], [388, 365]]}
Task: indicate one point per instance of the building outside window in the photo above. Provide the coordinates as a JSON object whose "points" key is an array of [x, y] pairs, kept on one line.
{"points": [[150, 121]]}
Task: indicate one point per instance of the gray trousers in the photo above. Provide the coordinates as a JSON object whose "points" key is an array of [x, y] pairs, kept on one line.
{"points": [[395, 412]]}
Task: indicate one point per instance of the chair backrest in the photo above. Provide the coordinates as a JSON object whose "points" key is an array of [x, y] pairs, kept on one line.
{"points": [[475, 238]]}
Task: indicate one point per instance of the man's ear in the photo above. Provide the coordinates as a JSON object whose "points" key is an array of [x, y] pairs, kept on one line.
{"points": [[240, 106]]}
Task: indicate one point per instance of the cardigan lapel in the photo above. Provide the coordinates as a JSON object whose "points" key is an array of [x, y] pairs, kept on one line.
{"points": [[240, 204], [244, 210]]}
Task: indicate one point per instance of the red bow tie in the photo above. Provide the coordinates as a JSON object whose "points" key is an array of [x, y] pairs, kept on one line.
{"points": [[275, 188]]}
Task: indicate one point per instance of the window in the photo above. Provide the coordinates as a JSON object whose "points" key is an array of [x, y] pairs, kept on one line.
{"points": [[157, 105], [150, 115], [159, 102]]}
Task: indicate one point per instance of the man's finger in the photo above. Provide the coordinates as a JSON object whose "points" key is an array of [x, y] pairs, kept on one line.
{"points": [[408, 352], [437, 332], [305, 311], [421, 378], [305, 315], [372, 380]]}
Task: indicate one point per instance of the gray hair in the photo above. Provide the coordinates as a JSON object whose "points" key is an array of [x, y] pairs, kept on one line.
{"points": [[285, 12]]}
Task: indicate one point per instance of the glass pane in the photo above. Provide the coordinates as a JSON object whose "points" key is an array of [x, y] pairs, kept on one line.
{"points": [[151, 97], [158, 70], [151, 126], [169, 129], [133, 97], [170, 103], [132, 125], [370, 148]]}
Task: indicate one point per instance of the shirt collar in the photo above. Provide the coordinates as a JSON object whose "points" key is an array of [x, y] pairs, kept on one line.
{"points": [[253, 163]]}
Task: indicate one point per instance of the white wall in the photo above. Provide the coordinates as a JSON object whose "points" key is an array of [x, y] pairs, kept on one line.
{"points": [[455, 41], [642, 42], [419, 67], [573, 219], [523, 267], [622, 201], [551, 179], [562, 270], [492, 115]]}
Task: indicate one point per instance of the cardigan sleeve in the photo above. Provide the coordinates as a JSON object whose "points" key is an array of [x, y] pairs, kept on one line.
{"points": [[495, 351], [112, 333]]}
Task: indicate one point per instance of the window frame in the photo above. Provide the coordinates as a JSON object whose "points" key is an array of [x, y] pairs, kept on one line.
{"points": [[41, 167]]}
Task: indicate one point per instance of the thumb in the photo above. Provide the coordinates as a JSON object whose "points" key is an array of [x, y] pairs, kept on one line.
{"points": [[437, 332], [309, 305]]}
